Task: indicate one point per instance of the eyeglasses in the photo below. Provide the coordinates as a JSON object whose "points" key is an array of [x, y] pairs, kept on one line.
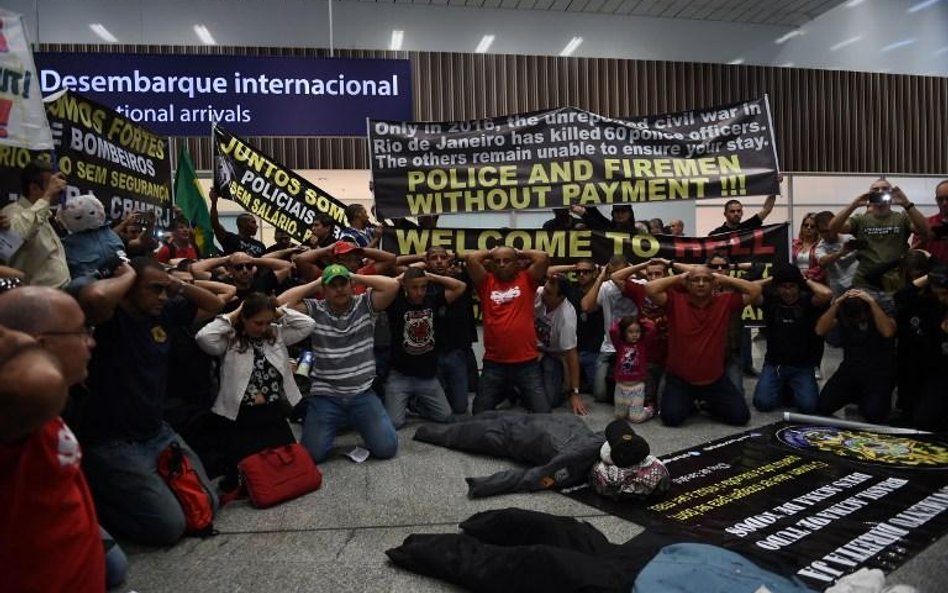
{"points": [[584, 271], [241, 267], [85, 332], [719, 266]]}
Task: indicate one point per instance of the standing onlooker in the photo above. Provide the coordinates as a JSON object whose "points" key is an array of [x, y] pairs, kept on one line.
{"points": [[836, 254], [343, 361], [867, 374], [413, 320], [510, 340], [630, 373], [676, 227], [882, 233], [734, 214], [697, 334], [623, 218], [360, 229], [257, 388], [555, 321], [244, 239], [803, 250], [41, 257], [180, 246], [937, 244], [791, 308]]}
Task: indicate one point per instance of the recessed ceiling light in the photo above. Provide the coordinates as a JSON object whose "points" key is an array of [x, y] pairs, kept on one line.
{"points": [[897, 45], [843, 44], [922, 6], [941, 51], [103, 33], [790, 35], [787, 65], [484, 45], [397, 37], [204, 35], [571, 46], [736, 62], [853, 3]]}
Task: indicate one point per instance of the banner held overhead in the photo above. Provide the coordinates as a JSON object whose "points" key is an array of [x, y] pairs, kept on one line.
{"points": [[567, 156]]}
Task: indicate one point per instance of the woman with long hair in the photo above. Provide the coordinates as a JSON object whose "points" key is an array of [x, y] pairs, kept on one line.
{"points": [[804, 249], [257, 388]]}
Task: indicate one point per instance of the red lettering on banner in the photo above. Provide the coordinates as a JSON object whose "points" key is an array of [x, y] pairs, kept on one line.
{"points": [[759, 248], [5, 106], [683, 246], [4, 48]]}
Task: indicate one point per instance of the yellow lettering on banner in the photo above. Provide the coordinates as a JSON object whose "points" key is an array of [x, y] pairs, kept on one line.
{"points": [[410, 241], [561, 172], [645, 246], [489, 239], [617, 241], [638, 190], [478, 200], [469, 177], [676, 168], [552, 242], [579, 244], [752, 313]]}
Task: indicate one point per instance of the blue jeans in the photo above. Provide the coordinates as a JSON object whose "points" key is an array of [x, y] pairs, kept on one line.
{"points": [[587, 368], [734, 371], [452, 372], [132, 500], [427, 394], [326, 416], [116, 563], [724, 401], [551, 369], [603, 386], [773, 378], [497, 377]]}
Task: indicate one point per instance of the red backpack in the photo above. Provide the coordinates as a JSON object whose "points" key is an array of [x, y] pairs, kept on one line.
{"points": [[196, 502]]}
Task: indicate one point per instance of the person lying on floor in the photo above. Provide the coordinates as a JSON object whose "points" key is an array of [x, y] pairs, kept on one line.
{"points": [[561, 449]]}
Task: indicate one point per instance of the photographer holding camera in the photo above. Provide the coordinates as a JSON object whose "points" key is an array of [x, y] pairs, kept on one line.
{"points": [[882, 233]]}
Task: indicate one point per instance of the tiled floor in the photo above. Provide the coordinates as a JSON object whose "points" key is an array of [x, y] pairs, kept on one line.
{"points": [[334, 539]]}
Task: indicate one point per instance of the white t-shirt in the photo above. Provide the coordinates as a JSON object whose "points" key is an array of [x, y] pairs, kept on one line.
{"points": [[614, 305], [556, 329], [839, 274]]}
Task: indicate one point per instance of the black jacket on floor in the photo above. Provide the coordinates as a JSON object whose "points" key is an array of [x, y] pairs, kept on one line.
{"points": [[560, 448]]}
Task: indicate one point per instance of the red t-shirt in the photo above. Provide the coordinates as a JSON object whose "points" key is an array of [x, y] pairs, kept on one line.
{"points": [[49, 534], [507, 307], [657, 340], [164, 254], [697, 336]]}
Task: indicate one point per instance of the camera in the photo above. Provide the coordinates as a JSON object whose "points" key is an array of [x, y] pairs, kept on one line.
{"points": [[880, 197]]}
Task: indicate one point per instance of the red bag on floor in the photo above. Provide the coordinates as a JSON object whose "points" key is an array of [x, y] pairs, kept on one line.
{"points": [[276, 475], [196, 502]]}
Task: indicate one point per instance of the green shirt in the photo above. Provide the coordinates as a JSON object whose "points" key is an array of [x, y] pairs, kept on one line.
{"points": [[886, 239]]}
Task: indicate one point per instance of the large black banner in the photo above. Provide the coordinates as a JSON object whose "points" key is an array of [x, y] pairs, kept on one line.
{"points": [[125, 165], [767, 245], [269, 190], [568, 156], [824, 500]]}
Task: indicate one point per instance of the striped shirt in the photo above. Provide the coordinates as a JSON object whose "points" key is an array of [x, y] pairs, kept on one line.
{"points": [[343, 361]]}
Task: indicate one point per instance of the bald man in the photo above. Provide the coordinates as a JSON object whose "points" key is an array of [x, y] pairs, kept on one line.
{"points": [[511, 357], [698, 318], [46, 508]]}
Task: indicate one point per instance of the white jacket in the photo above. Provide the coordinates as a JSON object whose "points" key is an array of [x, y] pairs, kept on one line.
{"points": [[217, 338]]}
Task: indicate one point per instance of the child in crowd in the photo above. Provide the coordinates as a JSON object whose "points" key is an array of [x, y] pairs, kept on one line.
{"points": [[257, 388], [628, 337]]}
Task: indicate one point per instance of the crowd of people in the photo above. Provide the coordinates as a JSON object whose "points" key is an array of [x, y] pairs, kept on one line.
{"points": [[136, 342]]}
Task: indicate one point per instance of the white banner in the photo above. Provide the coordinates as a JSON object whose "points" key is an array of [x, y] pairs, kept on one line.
{"points": [[22, 115]]}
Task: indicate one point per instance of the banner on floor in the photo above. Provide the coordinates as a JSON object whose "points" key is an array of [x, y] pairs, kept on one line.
{"points": [[824, 500], [568, 156], [269, 190], [125, 165]]}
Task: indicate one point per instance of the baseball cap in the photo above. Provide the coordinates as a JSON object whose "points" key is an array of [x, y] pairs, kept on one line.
{"points": [[343, 247], [334, 271], [627, 448]]}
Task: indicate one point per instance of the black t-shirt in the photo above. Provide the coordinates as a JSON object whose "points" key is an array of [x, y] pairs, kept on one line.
{"points": [[590, 328], [864, 347], [128, 373], [264, 281], [791, 335], [414, 352], [751, 223], [456, 328], [233, 243]]}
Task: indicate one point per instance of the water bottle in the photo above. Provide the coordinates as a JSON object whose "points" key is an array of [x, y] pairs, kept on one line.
{"points": [[304, 364]]}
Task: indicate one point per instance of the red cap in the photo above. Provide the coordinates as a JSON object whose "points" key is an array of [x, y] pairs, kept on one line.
{"points": [[343, 247]]}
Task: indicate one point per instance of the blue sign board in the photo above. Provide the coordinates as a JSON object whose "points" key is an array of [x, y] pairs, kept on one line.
{"points": [[180, 95]]}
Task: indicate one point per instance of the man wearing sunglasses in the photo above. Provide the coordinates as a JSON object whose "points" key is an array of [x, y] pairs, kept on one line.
{"points": [[248, 274], [123, 430]]}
